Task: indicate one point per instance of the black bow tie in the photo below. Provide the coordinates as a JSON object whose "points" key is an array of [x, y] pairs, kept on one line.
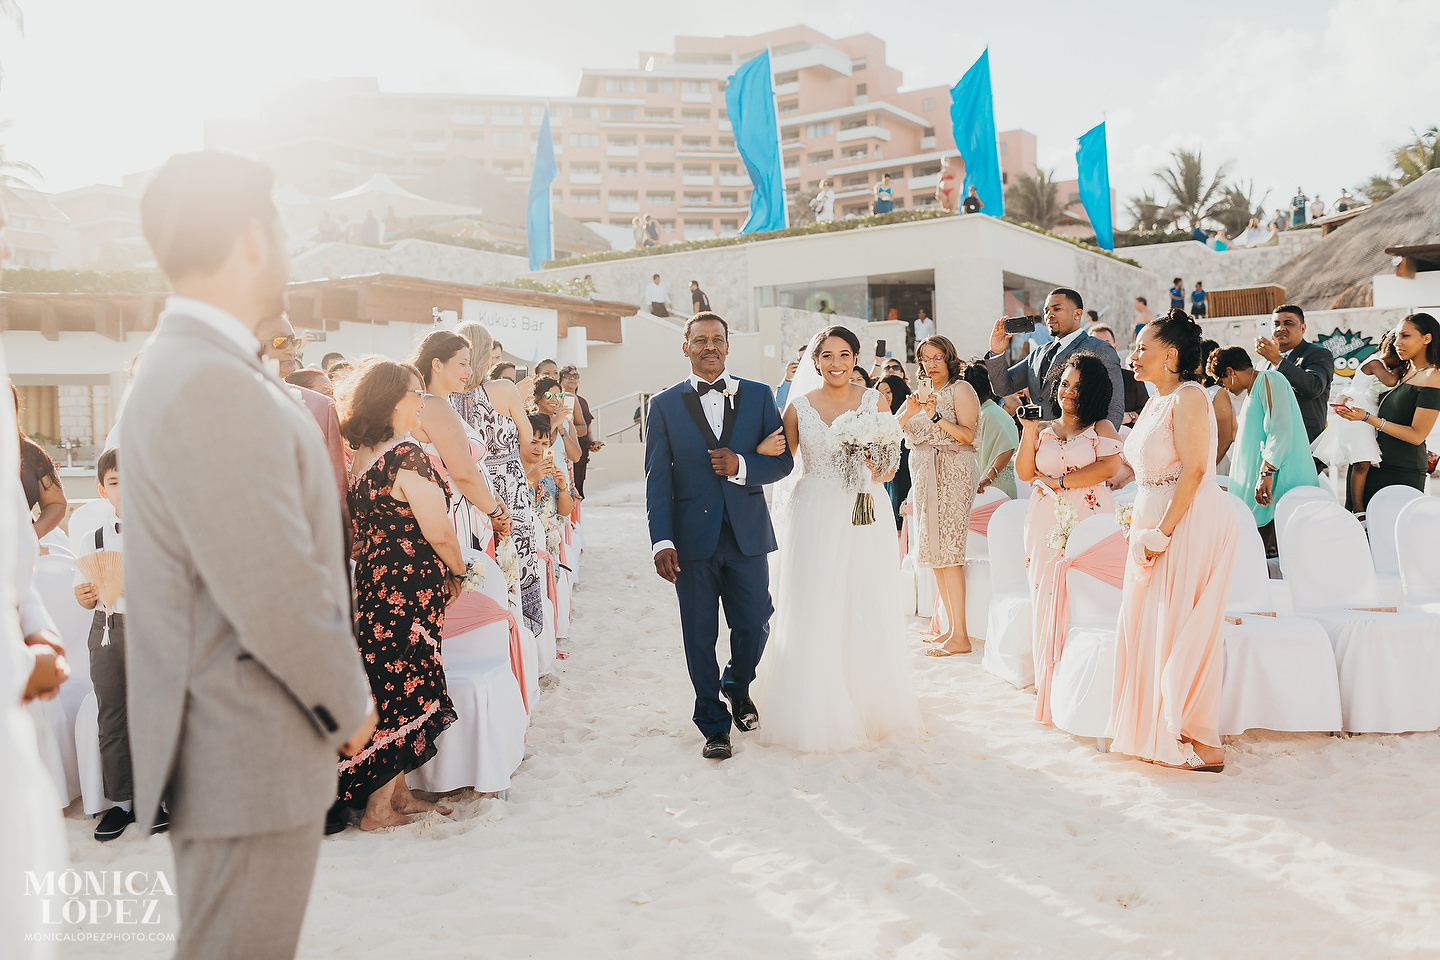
{"points": [[703, 388]]}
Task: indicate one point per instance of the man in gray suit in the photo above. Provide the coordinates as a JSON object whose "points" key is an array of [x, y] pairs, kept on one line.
{"points": [[244, 678], [1064, 311]]}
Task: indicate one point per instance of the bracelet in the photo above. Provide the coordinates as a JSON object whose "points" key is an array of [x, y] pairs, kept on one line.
{"points": [[1381, 428], [1367, 417], [937, 418], [1062, 481], [497, 513]]}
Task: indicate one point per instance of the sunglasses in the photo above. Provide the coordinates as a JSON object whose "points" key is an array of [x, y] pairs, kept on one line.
{"points": [[277, 343], [552, 395]]}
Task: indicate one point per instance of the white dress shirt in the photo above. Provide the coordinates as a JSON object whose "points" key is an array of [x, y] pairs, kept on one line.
{"points": [[111, 539], [223, 322], [712, 403], [656, 293], [924, 327]]}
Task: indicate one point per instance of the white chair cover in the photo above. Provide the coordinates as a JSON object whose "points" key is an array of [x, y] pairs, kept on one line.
{"points": [[977, 570], [87, 752], [1293, 499], [1389, 663], [926, 590], [1417, 531], [87, 518], [1008, 654], [485, 744], [1381, 515], [907, 586], [1279, 672], [1081, 689]]}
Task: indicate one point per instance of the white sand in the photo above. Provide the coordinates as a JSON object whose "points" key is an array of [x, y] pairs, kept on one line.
{"points": [[993, 837]]}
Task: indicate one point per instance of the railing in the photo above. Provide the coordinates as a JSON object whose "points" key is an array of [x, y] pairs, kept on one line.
{"points": [[1244, 301], [627, 405]]}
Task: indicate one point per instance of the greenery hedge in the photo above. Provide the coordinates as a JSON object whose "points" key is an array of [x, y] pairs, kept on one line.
{"points": [[23, 280], [834, 226]]}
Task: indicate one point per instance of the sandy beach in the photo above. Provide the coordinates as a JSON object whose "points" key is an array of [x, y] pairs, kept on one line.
{"points": [[991, 837]]}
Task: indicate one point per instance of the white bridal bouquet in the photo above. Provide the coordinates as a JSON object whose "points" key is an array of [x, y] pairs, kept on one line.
{"points": [[866, 436], [473, 578]]}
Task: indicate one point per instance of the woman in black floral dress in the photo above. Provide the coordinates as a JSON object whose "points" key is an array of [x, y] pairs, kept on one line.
{"points": [[407, 558]]}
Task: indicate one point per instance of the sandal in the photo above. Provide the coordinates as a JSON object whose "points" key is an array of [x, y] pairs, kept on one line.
{"points": [[1194, 762], [940, 651]]}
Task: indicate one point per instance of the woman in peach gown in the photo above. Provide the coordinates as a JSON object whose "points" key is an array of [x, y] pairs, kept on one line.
{"points": [[1183, 533], [1070, 459]]}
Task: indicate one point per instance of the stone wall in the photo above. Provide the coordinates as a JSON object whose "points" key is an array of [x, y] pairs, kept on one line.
{"points": [[1195, 261], [408, 258], [721, 271]]}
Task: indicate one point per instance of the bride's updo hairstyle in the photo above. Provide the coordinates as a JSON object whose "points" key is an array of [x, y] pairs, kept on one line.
{"points": [[1177, 330], [844, 333]]}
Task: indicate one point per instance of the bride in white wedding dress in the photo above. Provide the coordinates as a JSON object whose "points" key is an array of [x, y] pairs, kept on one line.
{"points": [[835, 673]]}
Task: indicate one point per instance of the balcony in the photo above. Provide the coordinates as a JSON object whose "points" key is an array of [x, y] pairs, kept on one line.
{"points": [[923, 183], [697, 180], [927, 143], [467, 118], [507, 119], [623, 206], [737, 181], [836, 61], [618, 150], [725, 125], [584, 177], [707, 96], [791, 172], [870, 132], [428, 146], [784, 89]]}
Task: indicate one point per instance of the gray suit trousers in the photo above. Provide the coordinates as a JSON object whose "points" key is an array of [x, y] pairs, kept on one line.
{"points": [[243, 898]]}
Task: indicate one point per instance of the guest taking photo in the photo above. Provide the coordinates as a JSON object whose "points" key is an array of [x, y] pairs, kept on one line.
{"points": [[1067, 460]]}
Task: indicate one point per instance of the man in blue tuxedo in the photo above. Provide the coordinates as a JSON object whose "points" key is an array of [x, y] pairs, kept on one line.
{"points": [[709, 526]]}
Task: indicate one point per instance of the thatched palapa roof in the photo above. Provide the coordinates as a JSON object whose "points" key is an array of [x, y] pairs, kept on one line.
{"points": [[1336, 272]]}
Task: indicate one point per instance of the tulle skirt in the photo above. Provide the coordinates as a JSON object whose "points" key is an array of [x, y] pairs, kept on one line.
{"points": [[836, 671]]}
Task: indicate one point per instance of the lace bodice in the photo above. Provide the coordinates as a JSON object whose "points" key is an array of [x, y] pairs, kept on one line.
{"points": [[820, 454], [1150, 447]]}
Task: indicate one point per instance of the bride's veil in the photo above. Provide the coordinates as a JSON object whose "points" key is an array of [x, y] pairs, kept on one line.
{"points": [[806, 379]]}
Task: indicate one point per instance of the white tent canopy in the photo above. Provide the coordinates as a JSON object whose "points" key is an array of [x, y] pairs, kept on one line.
{"points": [[380, 194]]}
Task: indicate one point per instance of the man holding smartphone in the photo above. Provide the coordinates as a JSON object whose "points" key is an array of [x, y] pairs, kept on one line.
{"points": [[1064, 310], [1308, 366]]}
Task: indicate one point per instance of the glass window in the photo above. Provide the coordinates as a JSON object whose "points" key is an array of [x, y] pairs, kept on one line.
{"points": [[694, 171], [469, 136], [622, 169], [585, 169], [694, 143], [622, 114], [695, 86], [824, 156], [660, 143], [825, 129], [509, 138], [857, 64], [620, 141], [860, 89], [697, 199], [619, 85], [582, 113], [927, 105], [789, 106], [659, 86], [695, 116], [507, 110], [665, 198], [659, 170], [584, 139], [584, 196], [659, 114]]}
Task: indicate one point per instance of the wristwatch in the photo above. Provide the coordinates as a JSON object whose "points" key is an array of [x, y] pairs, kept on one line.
{"points": [[937, 418]]}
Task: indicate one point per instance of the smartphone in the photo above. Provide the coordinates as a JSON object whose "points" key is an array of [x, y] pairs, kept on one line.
{"points": [[1022, 324], [922, 389], [880, 349], [521, 373], [1265, 327], [569, 401]]}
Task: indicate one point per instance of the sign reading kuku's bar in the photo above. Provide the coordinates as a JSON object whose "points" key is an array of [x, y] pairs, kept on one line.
{"points": [[530, 333]]}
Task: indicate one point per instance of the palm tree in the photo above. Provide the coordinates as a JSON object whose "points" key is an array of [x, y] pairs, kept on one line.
{"points": [[1412, 161], [1193, 197], [1147, 215], [1034, 200], [1238, 205]]}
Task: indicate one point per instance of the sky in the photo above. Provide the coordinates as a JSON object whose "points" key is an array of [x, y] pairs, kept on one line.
{"points": [[1307, 93]]}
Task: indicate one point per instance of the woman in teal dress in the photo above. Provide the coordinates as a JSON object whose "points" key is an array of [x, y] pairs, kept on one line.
{"points": [[998, 437], [1271, 452], [1408, 412]]}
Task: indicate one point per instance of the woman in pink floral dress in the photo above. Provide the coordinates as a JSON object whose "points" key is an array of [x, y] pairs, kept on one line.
{"points": [[1069, 459]]}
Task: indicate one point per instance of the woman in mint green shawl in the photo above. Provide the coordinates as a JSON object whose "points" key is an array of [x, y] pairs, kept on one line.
{"points": [[1271, 452]]}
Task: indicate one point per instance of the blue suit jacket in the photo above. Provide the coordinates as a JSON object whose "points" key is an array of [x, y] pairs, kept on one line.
{"points": [[684, 498]]}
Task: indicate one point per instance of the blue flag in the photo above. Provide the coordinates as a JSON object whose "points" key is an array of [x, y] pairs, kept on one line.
{"points": [[1095, 185], [972, 112], [538, 232], [750, 102]]}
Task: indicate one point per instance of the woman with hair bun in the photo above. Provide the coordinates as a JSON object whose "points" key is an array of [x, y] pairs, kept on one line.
{"points": [[1166, 703]]}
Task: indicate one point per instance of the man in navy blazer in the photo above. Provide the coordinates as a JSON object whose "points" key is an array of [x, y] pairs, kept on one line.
{"points": [[709, 525], [1039, 372]]}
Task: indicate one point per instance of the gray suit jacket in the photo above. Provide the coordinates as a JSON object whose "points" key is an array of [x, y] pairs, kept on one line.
{"points": [[1025, 375], [243, 671]]}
